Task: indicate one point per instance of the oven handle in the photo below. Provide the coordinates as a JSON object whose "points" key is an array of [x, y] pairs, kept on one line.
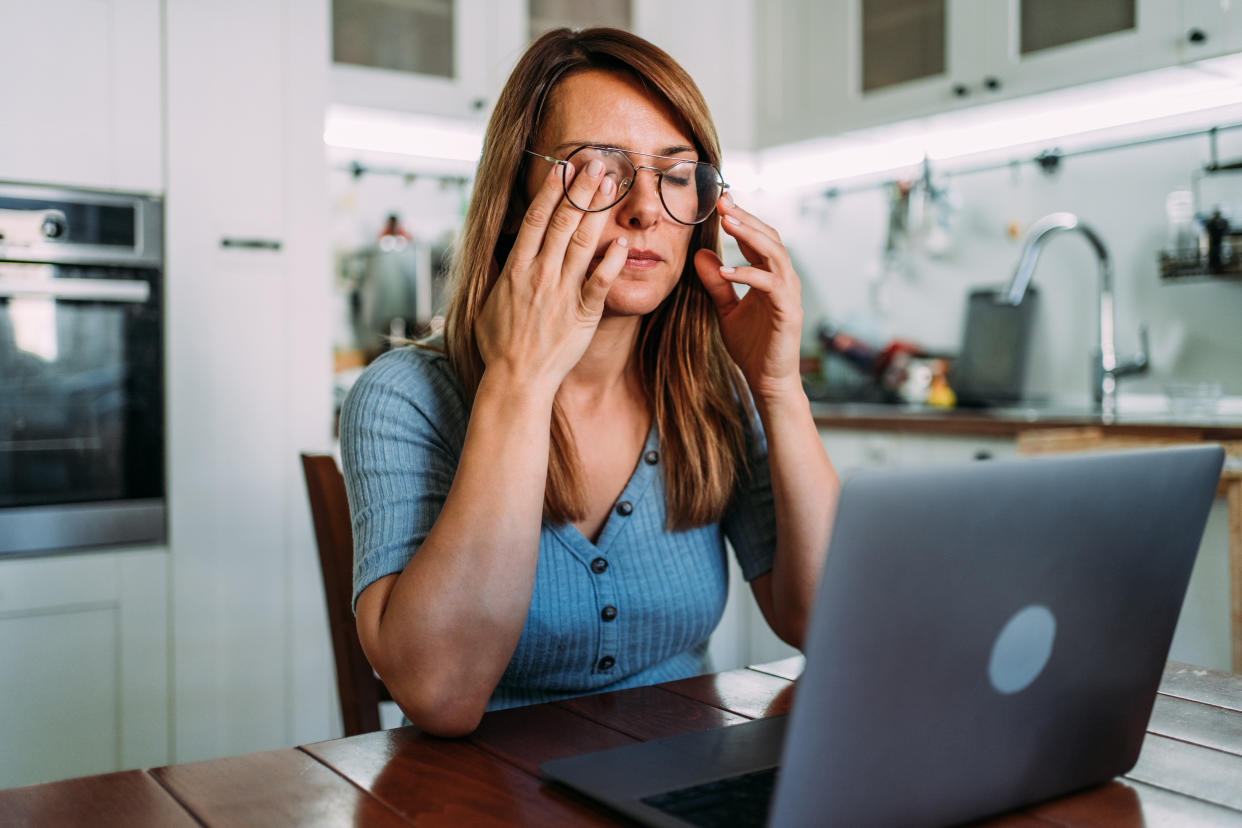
{"points": [[83, 290]]}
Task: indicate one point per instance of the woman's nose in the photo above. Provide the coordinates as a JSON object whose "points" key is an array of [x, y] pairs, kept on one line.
{"points": [[641, 206]]}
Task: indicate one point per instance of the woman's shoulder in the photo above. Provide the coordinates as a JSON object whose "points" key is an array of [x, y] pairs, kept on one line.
{"points": [[416, 377]]}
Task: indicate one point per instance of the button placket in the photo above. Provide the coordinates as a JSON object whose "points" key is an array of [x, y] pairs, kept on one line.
{"points": [[606, 609]]}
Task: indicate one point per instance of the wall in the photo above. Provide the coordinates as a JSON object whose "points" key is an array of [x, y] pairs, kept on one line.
{"points": [[837, 243]]}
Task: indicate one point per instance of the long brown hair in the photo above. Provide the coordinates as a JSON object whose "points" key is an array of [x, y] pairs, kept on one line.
{"points": [[696, 393]]}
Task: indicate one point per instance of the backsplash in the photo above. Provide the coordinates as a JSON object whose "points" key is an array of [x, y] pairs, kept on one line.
{"points": [[838, 245]]}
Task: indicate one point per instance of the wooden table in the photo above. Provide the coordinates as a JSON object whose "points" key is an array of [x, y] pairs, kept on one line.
{"points": [[1189, 773]]}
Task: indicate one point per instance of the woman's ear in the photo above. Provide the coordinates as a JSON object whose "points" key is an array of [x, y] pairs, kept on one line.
{"points": [[513, 220]]}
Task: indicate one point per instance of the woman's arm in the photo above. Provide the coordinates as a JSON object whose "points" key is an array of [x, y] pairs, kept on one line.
{"points": [[441, 632], [763, 332], [804, 495]]}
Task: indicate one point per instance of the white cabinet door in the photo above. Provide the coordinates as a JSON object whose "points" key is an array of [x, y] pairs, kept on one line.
{"points": [[249, 370], [84, 643], [487, 39], [82, 96], [1209, 28], [1203, 635], [826, 68], [714, 41], [1040, 45]]}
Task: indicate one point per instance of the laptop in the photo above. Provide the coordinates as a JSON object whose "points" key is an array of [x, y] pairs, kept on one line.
{"points": [[984, 637]]}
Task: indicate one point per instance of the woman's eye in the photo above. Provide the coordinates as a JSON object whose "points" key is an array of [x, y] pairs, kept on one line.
{"points": [[677, 180]]}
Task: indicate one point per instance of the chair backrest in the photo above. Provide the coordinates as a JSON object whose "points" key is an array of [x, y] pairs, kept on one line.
{"points": [[359, 689]]}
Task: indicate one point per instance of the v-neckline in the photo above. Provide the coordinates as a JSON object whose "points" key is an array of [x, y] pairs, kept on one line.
{"points": [[635, 490]]}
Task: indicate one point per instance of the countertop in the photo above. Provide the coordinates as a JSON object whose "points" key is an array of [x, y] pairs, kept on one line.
{"points": [[1138, 415]]}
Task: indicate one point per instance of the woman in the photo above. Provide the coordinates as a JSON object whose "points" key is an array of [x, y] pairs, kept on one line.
{"points": [[539, 506]]}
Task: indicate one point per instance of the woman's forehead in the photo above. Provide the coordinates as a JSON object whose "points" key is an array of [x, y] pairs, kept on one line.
{"points": [[611, 109]]}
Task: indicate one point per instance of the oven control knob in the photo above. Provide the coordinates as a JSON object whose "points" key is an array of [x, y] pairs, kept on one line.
{"points": [[53, 227]]}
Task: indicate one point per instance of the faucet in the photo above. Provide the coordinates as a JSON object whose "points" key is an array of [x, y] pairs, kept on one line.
{"points": [[1106, 369]]}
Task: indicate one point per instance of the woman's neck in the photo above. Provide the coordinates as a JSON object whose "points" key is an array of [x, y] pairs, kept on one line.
{"points": [[608, 369]]}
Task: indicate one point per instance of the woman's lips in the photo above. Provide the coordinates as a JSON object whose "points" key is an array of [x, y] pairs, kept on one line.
{"points": [[642, 260]]}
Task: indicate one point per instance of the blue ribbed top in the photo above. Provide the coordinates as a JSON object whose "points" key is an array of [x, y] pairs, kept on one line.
{"points": [[403, 426]]}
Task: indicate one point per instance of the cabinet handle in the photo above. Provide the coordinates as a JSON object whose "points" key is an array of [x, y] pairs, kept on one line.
{"points": [[961, 90], [991, 83], [1197, 36], [131, 291], [251, 244]]}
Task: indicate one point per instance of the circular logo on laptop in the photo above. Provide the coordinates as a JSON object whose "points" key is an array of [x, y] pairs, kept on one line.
{"points": [[1022, 649]]}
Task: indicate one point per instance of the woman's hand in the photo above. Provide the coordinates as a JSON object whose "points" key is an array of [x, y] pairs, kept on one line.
{"points": [[543, 310], [763, 329]]}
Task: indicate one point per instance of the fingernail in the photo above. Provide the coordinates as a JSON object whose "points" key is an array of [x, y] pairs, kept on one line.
{"points": [[732, 220], [595, 167], [728, 200], [607, 186], [621, 242], [727, 269]]}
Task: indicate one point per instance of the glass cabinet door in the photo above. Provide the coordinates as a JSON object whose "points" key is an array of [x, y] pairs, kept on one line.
{"points": [[432, 57], [1050, 44], [546, 15], [902, 41], [1045, 24], [402, 35]]}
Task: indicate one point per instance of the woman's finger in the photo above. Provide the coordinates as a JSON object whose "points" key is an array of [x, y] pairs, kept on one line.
{"points": [[728, 207], [567, 218], [763, 249], [584, 242], [595, 289], [760, 280], [707, 264], [539, 213]]}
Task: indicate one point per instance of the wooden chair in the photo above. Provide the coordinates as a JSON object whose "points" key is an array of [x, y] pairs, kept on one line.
{"points": [[359, 689]]}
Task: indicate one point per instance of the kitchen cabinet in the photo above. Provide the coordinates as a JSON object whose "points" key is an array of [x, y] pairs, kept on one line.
{"points": [[827, 68], [715, 43], [84, 643], [459, 80], [1208, 28], [82, 105], [248, 286], [852, 451]]}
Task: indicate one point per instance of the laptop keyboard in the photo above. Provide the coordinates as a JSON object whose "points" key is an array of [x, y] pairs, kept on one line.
{"points": [[735, 802]]}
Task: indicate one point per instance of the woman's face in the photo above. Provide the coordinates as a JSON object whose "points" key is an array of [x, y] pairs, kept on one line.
{"points": [[611, 109]]}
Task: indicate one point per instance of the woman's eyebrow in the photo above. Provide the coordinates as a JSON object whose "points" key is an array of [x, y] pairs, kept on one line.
{"points": [[676, 149]]}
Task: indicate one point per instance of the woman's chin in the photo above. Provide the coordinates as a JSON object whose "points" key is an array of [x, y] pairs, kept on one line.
{"points": [[635, 297]]}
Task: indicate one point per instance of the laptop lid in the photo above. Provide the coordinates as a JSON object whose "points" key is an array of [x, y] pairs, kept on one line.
{"points": [[990, 635]]}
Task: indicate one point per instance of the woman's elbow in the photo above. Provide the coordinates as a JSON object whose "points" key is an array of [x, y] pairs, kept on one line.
{"points": [[793, 633], [443, 712]]}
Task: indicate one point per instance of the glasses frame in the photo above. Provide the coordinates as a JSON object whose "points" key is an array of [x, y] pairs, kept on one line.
{"points": [[659, 173]]}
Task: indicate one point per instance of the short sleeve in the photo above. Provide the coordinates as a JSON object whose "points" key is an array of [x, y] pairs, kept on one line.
{"points": [[750, 522], [402, 429]]}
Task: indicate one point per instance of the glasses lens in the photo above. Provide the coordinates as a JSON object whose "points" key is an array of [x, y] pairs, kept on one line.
{"points": [[616, 166], [690, 190]]}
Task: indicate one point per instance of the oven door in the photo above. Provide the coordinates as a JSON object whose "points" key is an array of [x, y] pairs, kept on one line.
{"points": [[81, 407]]}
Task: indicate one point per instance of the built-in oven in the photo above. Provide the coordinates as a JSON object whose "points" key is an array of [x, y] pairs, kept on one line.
{"points": [[81, 370]]}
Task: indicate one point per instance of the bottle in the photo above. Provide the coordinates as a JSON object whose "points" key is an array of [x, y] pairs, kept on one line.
{"points": [[1183, 241]]}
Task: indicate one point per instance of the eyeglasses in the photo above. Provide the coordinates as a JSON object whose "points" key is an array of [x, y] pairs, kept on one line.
{"points": [[688, 189]]}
